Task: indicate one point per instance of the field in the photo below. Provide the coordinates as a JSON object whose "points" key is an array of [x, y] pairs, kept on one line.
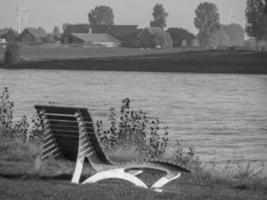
{"points": [[23, 177], [56, 51], [149, 60]]}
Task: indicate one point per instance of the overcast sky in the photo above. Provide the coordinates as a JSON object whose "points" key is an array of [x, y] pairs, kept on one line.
{"points": [[48, 13]]}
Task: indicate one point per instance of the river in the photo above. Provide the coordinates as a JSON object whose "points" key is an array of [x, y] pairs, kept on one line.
{"points": [[223, 116]]}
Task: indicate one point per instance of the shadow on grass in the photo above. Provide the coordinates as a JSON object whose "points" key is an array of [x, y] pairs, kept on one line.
{"points": [[36, 177]]}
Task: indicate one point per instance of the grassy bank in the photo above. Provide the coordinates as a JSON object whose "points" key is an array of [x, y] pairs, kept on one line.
{"points": [[22, 177], [245, 62], [59, 52]]}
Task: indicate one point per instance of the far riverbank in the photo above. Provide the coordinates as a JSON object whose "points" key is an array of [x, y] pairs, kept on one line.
{"points": [[240, 62]]}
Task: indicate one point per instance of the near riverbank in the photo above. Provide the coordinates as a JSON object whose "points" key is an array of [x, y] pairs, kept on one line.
{"points": [[23, 176], [216, 61]]}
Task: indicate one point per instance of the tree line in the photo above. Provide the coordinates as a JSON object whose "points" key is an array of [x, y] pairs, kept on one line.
{"points": [[207, 20]]}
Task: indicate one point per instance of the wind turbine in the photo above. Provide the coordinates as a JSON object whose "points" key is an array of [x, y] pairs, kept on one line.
{"points": [[18, 20], [22, 10], [25, 11]]}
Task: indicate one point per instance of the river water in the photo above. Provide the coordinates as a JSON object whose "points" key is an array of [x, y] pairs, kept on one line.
{"points": [[223, 116]]}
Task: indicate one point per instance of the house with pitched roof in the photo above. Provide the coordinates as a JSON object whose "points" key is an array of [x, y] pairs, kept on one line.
{"points": [[116, 33], [2, 38], [124, 33], [8, 34], [32, 35], [71, 29], [76, 28], [94, 40], [81, 34]]}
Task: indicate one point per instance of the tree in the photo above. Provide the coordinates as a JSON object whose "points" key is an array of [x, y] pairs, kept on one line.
{"points": [[219, 39], [231, 35], [12, 53], [160, 16], [64, 26], [10, 34], [179, 35], [163, 40], [56, 33], [235, 33], [207, 20], [256, 20], [101, 15], [265, 18]]}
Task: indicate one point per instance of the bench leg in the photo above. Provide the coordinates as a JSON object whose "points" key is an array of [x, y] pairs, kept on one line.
{"points": [[157, 186], [118, 174], [78, 171]]}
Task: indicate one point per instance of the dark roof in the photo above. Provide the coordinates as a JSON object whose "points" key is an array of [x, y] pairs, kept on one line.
{"points": [[115, 30], [96, 37], [155, 30], [139, 30], [3, 31], [76, 28], [36, 32]]}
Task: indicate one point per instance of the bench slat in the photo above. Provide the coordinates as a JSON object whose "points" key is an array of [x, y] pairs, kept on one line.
{"points": [[61, 109], [65, 116], [68, 128]]}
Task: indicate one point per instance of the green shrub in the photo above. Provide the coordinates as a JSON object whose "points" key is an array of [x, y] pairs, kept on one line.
{"points": [[12, 53], [6, 111], [16, 129], [131, 127]]}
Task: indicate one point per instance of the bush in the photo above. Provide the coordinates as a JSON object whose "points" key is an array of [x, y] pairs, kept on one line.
{"points": [[12, 53], [131, 127], [6, 111], [16, 129], [185, 158]]}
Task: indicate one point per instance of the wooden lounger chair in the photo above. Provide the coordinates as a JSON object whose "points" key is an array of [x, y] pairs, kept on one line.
{"points": [[69, 133]]}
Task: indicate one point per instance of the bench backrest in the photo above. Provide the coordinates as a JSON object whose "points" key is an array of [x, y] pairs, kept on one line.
{"points": [[63, 126]]}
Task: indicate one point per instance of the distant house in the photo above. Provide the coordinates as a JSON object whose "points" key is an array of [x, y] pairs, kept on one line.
{"points": [[3, 42], [253, 44], [195, 43], [124, 33], [103, 40], [76, 28], [3, 32], [121, 33], [153, 37], [73, 28], [8, 34], [2, 38], [33, 35]]}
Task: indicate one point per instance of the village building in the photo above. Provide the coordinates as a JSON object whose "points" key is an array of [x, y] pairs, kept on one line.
{"points": [[108, 35], [116, 35], [73, 28], [93, 40], [2, 38], [124, 33], [3, 34], [153, 37], [32, 35], [8, 34]]}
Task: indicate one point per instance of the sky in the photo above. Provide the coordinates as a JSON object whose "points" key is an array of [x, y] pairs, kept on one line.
{"points": [[50, 13]]}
